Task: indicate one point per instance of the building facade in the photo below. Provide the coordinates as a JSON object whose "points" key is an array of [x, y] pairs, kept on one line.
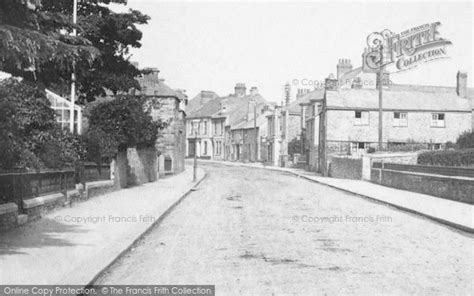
{"points": [[211, 125], [345, 119]]}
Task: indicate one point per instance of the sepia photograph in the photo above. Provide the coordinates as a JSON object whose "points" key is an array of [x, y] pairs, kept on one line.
{"points": [[180, 147]]}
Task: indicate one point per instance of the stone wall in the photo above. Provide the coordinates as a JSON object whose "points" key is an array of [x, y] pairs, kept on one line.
{"points": [[402, 158], [171, 141], [453, 188], [135, 167], [345, 167]]}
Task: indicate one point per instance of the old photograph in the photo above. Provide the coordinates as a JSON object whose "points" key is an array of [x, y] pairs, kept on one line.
{"points": [[176, 147]]}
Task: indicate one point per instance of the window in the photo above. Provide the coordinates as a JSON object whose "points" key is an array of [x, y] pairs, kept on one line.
{"points": [[437, 120], [205, 128], [400, 119], [434, 146], [215, 128], [205, 148], [361, 118]]}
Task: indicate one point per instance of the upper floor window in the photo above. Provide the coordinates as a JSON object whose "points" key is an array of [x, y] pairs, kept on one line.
{"points": [[205, 128], [400, 119], [437, 120], [361, 118]]}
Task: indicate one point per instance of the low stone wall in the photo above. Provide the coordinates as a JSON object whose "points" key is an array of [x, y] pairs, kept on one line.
{"points": [[35, 208], [454, 188], [97, 188], [401, 158], [8, 216], [345, 167], [38, 206]]}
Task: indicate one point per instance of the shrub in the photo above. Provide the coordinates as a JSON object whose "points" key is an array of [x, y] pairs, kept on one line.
{"points": [[465, 140], [120, 124], [26, 120], [463, 157]]}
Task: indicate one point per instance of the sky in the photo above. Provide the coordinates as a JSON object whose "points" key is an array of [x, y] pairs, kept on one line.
{"points": [[213, 45]]}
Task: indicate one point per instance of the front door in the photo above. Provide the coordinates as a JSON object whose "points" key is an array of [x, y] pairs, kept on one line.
{"points": [[192, 148]]}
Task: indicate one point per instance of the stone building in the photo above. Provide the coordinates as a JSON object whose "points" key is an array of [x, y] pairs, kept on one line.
{"points": [[210, 122], [168, 105], [285, 129], [344, 118]]}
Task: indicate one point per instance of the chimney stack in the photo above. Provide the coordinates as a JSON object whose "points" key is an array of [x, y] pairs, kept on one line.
{"points": [[151, 74], [240, 90], [301, 92], [331, 83], [461, 84], [343, 67], [254, 90]]}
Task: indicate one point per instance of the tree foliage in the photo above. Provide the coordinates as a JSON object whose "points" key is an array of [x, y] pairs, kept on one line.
{"points": [[29, 134], [466, 140], [33, 40], [119, 124], [37, 44]]}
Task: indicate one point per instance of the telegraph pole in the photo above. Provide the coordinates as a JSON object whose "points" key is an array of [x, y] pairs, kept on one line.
{"points": [[380, 85], [195, 164], [73, 75], [255, 129]]}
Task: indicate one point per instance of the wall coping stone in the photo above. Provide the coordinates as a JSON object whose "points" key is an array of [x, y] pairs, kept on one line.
{"points": [[74, 192], [97, 184], [460, 178], [7, 208], [42, 200]]}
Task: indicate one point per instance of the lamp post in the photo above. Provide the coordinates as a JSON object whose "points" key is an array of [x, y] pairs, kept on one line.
{"points": [[73, 75]]}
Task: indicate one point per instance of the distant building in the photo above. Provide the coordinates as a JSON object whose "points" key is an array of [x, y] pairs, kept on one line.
{"points": [[210, 122], [344, 117], [286, 127]]}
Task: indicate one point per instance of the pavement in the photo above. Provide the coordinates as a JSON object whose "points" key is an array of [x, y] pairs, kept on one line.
{"points": [[261, 232], [74, 245], [455, 214]]}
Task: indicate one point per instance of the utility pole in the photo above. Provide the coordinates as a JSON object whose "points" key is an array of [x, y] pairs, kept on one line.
{"points": [[195, 154], [380, 85], [73, 75], [255, 128]]}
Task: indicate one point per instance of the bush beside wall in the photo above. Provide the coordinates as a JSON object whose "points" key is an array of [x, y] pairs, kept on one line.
{"points": [[464, 157]]}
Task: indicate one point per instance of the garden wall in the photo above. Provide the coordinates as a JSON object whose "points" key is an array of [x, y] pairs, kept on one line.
{"points": [[456, 188], [345, 167]]}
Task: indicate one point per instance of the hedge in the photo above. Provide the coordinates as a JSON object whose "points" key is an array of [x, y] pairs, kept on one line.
{"points": [[463, 157]]}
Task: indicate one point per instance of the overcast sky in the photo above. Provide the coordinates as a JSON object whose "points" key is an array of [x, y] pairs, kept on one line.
{"points": [[213, 45]]}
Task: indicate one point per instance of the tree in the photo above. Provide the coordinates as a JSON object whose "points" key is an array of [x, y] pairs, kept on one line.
{"points": [[34, 41], [29, 134], [120, 124], [113, 34], [36, 44]]}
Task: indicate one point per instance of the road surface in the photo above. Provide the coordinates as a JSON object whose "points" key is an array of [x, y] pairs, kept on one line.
{"points": [[258, 232]]}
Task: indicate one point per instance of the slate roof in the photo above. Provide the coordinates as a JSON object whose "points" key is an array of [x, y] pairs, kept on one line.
{"points": [[399, 98], [158, 88], [295, 106], [249, 124], [196, 102], [236, 108]]}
